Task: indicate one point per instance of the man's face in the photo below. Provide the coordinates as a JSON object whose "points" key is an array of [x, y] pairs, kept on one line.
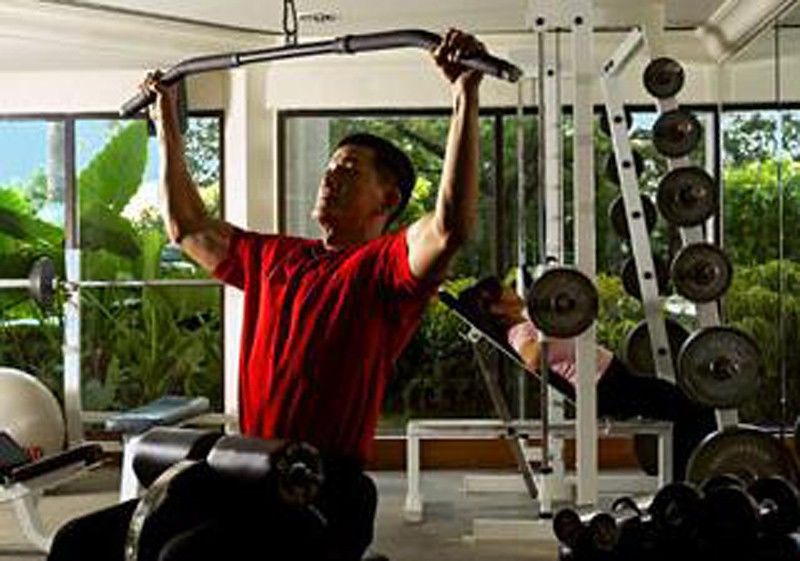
{"points": [[351, 191]]}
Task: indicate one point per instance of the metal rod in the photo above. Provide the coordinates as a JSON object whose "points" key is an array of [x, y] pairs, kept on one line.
{"points": [[347, 44], [143, 283], [14, 283], [26, 283]]}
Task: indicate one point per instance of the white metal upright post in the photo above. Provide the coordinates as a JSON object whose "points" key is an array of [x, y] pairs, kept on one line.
{"points": [[585, 249]]}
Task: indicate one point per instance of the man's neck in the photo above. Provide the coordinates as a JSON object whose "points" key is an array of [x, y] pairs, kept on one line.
{"points": [[334, 240]]}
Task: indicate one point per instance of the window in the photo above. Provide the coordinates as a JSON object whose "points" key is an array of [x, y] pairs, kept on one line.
{"points": [[150, 319]]}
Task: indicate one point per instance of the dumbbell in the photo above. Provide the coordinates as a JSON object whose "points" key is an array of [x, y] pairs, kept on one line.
{"points": [[671, 521], [720, 481], [769, 506], [581, 541], [780, 547]]}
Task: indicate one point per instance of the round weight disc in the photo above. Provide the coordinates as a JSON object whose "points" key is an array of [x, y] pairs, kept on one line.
{"points": [[719, 367], [663, 77], [612, 173], [616, 214], [606, 129], [676, 133], [637, 353], [687, 196], [562, 302], [630, 280], [41, 279], [701, 272], [744, 451]]}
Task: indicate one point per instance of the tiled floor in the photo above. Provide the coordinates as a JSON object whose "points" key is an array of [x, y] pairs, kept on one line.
{"points": [[443, 536]]}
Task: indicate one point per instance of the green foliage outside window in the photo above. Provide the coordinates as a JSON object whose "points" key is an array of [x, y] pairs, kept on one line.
{"points": [[137, 344]]}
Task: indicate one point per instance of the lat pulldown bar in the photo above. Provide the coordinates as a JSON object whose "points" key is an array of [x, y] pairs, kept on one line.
{"points": [[347, 44]]}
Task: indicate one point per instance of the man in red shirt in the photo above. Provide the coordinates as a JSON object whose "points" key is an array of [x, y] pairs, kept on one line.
{"points": [[324, 320]]}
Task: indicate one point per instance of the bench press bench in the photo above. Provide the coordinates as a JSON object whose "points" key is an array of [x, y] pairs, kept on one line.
{"points": [[419, 429]]}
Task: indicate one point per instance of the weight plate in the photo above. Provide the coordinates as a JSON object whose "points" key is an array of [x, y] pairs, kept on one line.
{"points": [[663, 77], [606, 129], [612, 173], [630, 280], [562, 302], [619, 223], [719, 367], [745, 451], [701, 272], [687, 196], [637, 353], [41, 280], [676, 133]]}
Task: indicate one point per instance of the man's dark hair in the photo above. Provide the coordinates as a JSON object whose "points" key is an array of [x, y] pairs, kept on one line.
{"points": [[389, 161]]}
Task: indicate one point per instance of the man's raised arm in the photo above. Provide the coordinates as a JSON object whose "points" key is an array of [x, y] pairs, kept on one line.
{"points": [[201, 237], [434, 238]]}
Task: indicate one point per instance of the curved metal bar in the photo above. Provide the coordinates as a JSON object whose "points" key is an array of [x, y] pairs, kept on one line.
{"points": [[347, 44]]}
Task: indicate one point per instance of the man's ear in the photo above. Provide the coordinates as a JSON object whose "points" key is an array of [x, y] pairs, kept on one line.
{"points": [[391, 199]]}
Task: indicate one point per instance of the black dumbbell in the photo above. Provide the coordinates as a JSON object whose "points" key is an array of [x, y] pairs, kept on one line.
{"points": [[769, 505], [722, 480], [581, 541], [779, 547], [670, 524]]}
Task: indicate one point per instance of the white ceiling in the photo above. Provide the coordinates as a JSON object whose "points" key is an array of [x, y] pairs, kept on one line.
{"points": [[361, 15], [74, 34]]}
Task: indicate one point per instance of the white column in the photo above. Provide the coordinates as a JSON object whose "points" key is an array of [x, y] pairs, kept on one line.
{"points": [[250, 193]]}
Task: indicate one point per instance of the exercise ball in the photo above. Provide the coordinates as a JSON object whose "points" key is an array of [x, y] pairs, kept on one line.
{"points": [[29, 413]]}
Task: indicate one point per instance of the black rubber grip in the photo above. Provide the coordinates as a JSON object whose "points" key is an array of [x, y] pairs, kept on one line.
{"points": [[427, 40], [86, 454]]}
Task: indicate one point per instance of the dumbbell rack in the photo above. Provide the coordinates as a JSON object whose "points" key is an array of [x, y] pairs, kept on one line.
{"points": [[707, 313]]}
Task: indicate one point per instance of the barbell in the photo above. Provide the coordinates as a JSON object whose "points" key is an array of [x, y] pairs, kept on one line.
{"points": [[42, 283]]}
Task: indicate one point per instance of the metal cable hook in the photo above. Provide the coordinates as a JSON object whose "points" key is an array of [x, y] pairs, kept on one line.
{"points": [[289, 22]]}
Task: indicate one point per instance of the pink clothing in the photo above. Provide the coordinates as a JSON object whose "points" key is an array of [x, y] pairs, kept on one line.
{"points": [[560, 352]]}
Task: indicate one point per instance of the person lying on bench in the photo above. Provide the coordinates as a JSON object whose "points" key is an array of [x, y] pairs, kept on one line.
{"points": [[621, 394]]}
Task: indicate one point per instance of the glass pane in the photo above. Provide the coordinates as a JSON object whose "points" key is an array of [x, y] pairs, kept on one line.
{"points": [[122, 235], [142, 343], [31, 226], [436, 376]]}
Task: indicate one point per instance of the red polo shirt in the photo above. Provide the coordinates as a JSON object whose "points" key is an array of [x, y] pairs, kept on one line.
{"points": [[321, 331]]}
